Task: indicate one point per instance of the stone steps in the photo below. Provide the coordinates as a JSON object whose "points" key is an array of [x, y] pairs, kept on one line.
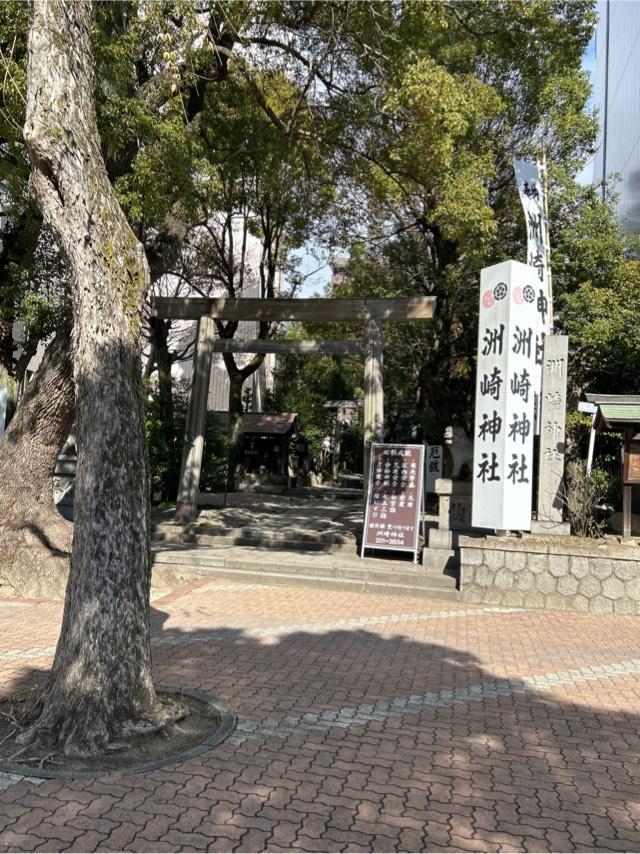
{"points": [[370, 574], [279, 538], [340, 493], [310, 541]]}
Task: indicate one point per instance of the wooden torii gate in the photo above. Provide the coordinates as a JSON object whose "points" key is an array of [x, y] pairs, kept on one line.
{"points": [[371, 312]]}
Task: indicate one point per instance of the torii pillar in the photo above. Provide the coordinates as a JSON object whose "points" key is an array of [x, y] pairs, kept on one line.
{"points": [[373, 388], [187, 502]]}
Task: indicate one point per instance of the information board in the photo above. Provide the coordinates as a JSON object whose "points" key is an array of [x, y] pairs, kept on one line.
{"points": [[394, 498], [631, 470], [509, 355]]}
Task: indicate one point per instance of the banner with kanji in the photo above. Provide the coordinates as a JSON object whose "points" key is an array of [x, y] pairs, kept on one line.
{"points": [[531, 190], [509, 357]]}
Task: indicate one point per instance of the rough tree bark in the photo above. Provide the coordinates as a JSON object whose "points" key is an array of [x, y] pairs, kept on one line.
{"points": [[34, 539], [100, 686]]}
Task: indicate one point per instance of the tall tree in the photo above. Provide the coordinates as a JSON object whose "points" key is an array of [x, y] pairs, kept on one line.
{"points": [[460, 88], [100, 685], [265, 195], [34, 296]]}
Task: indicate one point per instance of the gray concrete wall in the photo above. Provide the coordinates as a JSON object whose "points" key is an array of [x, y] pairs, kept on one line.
{"points": [[559, 575]]}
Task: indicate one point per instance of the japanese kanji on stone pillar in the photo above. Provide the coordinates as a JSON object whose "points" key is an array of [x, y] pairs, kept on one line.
{"points": [[509, 360], [552, 436]]}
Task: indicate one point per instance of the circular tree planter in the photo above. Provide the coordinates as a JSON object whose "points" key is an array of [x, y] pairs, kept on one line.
{"points": [[209, 723]]}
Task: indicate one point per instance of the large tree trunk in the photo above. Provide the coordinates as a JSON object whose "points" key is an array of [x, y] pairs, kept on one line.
{"points": [[34, 539], [30, 348], [100, 685]]}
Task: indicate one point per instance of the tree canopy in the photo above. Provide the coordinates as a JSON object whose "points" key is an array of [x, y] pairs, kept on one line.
{"points": [[382, 130]]}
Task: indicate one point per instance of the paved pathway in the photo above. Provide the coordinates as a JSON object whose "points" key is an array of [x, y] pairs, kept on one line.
{"points": [[365, 723]]}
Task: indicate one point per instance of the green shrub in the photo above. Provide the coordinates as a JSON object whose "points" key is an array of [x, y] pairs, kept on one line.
{"points": [[213, 477], [585, 499], [165, 441]]}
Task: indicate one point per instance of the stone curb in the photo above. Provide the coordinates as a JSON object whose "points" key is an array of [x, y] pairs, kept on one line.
{"points": [[555, 547]]}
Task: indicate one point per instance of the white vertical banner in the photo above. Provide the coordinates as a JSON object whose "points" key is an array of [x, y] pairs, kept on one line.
{"points": [[531, 191], [433, 467], [509, 357]]}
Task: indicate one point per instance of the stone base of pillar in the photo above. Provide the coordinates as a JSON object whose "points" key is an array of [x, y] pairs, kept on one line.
{"points": [[454, 516], [548, 528]]}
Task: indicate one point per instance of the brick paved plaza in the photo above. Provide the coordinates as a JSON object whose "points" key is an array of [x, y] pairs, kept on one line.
{"points": [[365, 723]]}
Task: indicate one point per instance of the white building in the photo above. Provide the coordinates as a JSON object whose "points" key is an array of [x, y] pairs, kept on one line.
{"points": [[246, 254], [617, 97]]}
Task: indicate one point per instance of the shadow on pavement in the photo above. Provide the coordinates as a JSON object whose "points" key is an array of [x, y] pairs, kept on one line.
{"points": [[353, 740]]}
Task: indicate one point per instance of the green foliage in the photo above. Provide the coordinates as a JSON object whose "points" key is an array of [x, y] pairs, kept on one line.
{"points": [[466, 86], [385, 128], [14, 166], [603, 323], [577, 431], [213, 477], [303, 384], [165, 441], [165, 444], [150, 150], [42, 289]]}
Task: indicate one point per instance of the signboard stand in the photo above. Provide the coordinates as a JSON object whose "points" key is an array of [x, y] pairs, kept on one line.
{"points": [[395, 499]]}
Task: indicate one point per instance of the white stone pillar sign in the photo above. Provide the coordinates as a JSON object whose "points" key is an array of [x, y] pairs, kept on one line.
{"points": [[433, 467], [509, 356]]}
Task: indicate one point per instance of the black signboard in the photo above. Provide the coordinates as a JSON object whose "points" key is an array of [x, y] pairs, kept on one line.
{"points": [[394, 500]]}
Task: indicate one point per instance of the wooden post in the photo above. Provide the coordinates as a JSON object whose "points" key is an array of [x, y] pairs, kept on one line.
{"points": [[186, 506], [627, 489], [626, 510], [373, 389]]}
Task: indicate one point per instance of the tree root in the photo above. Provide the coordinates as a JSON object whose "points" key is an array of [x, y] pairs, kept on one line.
{"points": [[168, 713], [83, 734]]}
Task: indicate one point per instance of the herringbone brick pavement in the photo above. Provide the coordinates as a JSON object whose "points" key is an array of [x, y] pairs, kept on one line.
{"points": [[366, 723]]}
